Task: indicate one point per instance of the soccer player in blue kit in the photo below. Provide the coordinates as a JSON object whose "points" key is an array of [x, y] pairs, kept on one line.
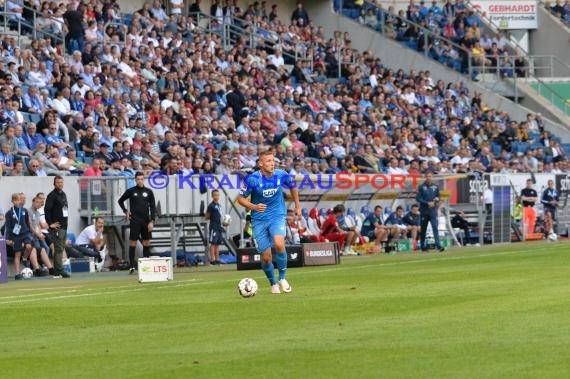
{"points": [[268, 213]]}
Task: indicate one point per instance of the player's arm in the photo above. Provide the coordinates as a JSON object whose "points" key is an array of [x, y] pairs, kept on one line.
{"points": [[243, 197], [244, 202], [295, 195], [208, 213], [543, 200], [97, 239], [420, 197], [152, 205], [122, 199]]}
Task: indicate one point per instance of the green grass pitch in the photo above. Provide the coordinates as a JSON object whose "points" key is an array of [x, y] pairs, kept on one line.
{"points": [[489, 312]]}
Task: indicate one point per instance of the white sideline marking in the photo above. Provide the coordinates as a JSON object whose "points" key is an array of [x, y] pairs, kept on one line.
{"points": [[194, 281], [47, 288]]}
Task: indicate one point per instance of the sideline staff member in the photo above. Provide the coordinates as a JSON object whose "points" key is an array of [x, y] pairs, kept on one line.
{"points": [[528, 195], [428, 197], [56, 213], [550, 199], [141, 214]]}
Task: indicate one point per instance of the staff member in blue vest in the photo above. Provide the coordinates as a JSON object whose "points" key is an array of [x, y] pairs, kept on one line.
{"points": [[428, 197]]}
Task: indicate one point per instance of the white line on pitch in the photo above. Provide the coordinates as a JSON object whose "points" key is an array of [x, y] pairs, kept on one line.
{"points": [[194, 281]]}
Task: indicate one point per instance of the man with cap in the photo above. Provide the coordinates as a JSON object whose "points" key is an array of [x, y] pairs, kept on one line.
{"points": [[104, 154]]}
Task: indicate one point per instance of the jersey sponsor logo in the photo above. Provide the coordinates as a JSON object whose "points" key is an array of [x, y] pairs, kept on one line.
{"points": [[145, 194], [269, 192]]}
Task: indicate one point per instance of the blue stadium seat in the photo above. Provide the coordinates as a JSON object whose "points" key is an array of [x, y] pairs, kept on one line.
{"points": [[350, 212], [496, 149], [35, 118], [71, 237], [365, 210], [305, 213], [323, 212]]}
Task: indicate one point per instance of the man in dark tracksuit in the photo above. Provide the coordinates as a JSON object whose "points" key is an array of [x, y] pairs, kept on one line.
{"points": [[141, 214], [56, 213], [428, 197], [216, 229], [550, 199]]}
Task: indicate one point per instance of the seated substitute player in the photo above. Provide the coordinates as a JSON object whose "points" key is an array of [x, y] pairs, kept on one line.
{"points": [[332, 231], [395, 223], [374, 229], [19, 236], [413, 222], [90, 241], [268, 212]]}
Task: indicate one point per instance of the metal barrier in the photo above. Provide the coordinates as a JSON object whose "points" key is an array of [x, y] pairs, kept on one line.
{"points": [[425, 37], [254, 34]]}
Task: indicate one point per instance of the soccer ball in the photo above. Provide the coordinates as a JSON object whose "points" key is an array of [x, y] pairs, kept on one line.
{"points": [[553, 237], [227, 220], [247, 287], [27, 273]]}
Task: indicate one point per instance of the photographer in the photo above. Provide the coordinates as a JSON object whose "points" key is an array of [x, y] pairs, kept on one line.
{"points": [[428, 197]]}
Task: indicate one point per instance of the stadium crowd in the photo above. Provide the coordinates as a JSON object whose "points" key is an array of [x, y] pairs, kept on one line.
{"points": [[445, 33], [163, 93], [559, 9]]}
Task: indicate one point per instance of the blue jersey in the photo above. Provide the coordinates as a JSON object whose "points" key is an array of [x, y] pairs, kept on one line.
{"points": [[268, 191]]}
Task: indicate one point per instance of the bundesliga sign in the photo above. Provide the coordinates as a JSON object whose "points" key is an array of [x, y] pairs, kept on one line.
{"points": [[509, 14], [317, 254]]}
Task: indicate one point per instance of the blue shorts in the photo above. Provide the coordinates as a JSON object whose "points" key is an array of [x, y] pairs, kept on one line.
{"points": [[264, 231], [216, 237]]}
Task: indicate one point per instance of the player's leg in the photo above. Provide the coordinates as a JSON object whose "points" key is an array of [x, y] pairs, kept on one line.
{"points": [[350, 238], [32, 254], [45, 258], [425, 220], [146, 236], [17, 265], [435, 228], [263, 245], [281, 259], [134, 234], [217, 252], [212, 240]]}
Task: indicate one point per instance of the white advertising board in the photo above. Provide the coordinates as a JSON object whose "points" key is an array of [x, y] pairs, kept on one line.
{"points": [[155, 269], [509, 14]]}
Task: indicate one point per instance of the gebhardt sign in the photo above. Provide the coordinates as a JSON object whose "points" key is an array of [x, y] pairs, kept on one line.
{"points": [[509, 14]]}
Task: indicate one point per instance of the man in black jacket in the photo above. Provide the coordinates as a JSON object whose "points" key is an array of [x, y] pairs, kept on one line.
{"points": [[236, 100], [141, 214], [56, 214], [550, 199]]}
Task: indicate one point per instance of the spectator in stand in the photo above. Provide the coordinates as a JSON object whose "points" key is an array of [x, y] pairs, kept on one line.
{"points": [[300, 17]]}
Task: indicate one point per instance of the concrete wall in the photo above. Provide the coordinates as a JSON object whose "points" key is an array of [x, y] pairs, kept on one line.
{"points": [[551, 38], [396, 56]]}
